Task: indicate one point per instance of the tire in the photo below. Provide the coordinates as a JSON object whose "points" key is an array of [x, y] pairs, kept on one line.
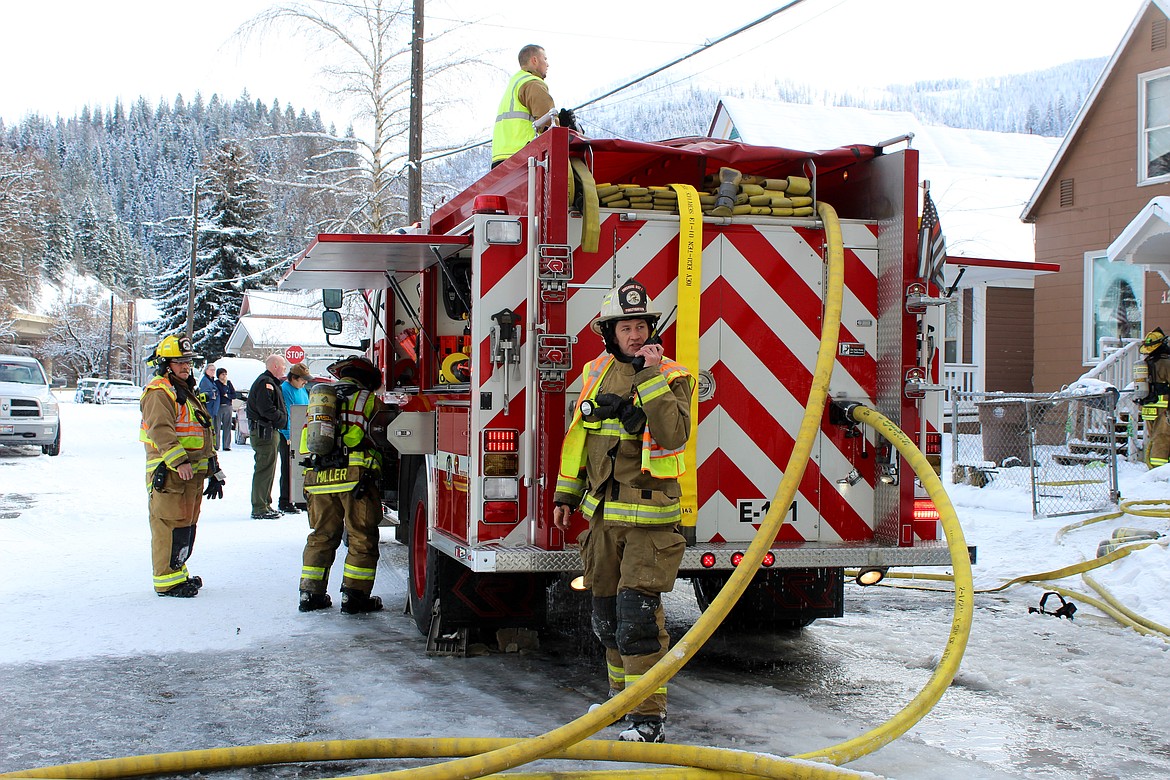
{"points": [[54, 449], [423, 561]]}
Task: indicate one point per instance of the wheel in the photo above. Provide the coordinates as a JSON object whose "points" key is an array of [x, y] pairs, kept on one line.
{"points": [[423, 562], [54, 449]]}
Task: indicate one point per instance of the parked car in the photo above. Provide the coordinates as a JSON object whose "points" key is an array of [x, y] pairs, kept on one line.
{"points": [[28, 408], [101, 394], [119, 391], [85, 388]]}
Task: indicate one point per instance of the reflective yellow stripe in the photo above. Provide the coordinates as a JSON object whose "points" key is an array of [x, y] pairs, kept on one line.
{"points": [[686, 330], [358, 573], [636, 514], [312, 573], [617, 675], [168, 581], [633, 678]]}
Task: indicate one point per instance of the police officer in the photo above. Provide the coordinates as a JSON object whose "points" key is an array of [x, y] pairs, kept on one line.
{"points": [[525, 100], [343, 493], [620, 463], [176, 429], [1154, 405]]}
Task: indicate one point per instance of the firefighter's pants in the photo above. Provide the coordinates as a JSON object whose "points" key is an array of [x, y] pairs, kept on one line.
{"points": [[628, 568], [174, 511], [329, 514], [1158, 440]]}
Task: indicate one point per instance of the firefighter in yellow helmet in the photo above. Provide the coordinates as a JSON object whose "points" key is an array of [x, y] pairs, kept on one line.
{"points": [[1156, 353], [620, 463], [180, 455], [343, 491]]}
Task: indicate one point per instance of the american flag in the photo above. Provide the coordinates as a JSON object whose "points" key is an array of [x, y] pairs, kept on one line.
{"points": [[932, 247]]}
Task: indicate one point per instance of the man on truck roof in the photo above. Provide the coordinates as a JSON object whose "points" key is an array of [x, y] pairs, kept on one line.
{"points": [[525, 100]]}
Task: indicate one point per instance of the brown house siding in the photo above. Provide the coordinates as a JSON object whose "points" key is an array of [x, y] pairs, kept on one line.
{"points": [[1102, 162], [1009, 340]]}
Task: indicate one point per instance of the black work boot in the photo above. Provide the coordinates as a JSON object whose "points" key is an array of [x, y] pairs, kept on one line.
{"points": [[649, 730], [184, 590], [355, 602], [314, 601]]}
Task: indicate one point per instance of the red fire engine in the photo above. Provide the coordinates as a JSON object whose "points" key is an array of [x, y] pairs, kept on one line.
{"points": [[480, 320]]}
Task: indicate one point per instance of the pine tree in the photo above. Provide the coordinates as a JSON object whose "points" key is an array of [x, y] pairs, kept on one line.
{"points": [[232, 243]]}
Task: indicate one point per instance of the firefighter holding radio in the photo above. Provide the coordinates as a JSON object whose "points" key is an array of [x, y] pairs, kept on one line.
{"points": [[342, 487], [620, 463]]}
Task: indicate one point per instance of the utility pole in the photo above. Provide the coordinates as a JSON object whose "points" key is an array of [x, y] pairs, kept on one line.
{"points": [[414, 208], [194, 251]]}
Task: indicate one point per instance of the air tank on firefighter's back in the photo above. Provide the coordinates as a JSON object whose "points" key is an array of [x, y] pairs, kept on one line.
{"points": [[321, 419]]}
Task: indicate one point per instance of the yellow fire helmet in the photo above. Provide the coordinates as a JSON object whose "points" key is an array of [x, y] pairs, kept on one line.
{"points": [[174, 347], [1154, 339]]}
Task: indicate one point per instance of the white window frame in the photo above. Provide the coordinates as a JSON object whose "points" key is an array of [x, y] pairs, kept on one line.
{"points": [[1090, 355], [1143, 166]]}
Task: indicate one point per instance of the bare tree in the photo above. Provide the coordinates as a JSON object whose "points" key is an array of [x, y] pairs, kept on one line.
{"points": [[365, 46], [28, 206]]}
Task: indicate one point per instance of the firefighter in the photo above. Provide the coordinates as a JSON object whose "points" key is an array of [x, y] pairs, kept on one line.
{"points": [[1154, 406], [176, 429], [620, 463], [343, 493], [525, 100]]}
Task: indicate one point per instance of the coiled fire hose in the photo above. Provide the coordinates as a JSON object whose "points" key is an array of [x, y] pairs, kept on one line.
{"points": [[485, 756]]}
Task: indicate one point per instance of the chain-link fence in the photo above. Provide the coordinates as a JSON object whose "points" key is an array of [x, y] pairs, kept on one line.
{"points": [[1063, 448]]}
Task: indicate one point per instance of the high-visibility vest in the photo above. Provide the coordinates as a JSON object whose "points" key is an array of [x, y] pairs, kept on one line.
{"points": [[657, 461], [513, 129], [353, 416], [188, 430]]}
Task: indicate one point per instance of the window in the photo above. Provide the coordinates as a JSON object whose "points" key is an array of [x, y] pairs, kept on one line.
{"points": [[953, 331], [1113, 303], [1154, 124]]}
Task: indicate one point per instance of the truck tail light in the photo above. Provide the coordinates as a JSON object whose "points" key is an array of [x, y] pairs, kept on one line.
{"points": [[504, 512], [707, 561], [934, 444], [501, 453], [924, 509]]}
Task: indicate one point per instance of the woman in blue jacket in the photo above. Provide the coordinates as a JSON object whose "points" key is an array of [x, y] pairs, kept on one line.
{"points": [[295, 391]]}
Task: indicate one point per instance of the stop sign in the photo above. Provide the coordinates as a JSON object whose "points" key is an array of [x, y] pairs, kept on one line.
{"points": [[294, 354]]}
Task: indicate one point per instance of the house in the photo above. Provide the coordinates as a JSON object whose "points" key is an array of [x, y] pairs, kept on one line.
{"points": [[271, 321], [978, 181], [1105, 182]]}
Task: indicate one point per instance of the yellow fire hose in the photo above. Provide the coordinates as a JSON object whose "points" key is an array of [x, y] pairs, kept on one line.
{"points": [[486, 756]]}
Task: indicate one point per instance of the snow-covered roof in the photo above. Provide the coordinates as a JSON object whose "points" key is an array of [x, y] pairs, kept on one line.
{"points": [[1106, 72], [282, 303], [275, 333], [1146, 239], [979, 179]]}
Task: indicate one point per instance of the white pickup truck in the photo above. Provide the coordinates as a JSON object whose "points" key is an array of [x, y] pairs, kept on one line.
{"points": [[28, 409]]}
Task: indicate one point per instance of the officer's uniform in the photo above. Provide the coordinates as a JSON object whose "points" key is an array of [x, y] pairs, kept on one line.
{"points": [[344, 495], [627, 485], [174, 433]]}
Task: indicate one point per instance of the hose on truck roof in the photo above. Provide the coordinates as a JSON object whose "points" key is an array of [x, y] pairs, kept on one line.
{"points": [[483, 756]]}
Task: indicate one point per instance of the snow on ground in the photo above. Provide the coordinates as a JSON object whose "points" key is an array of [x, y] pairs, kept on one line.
{"points": [[1036, 696]]}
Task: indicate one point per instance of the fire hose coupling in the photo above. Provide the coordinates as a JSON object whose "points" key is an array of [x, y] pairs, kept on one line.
{"points": [[842, 413]]}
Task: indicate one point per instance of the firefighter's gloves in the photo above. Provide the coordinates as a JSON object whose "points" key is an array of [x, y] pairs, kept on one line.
{"points": [[607, 406], [215, 480]]}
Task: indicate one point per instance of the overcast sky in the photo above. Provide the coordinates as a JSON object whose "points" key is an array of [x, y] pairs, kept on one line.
{"points": [[57, 57]]}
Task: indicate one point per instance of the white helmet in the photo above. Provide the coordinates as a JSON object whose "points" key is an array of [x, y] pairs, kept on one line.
{"points": [[628, 301]]}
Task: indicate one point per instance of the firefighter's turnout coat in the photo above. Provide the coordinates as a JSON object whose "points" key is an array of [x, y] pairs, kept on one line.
{"points": [[1155, 413], [343, 493], [627, 485], [174, 433]]}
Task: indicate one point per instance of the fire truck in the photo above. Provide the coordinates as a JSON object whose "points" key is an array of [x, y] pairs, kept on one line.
{"points": [[479, 318]]}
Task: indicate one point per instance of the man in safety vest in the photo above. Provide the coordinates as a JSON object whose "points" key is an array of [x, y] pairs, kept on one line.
{"points": [[343, 493], [180, 454], [525, 100], [620, 463], [1154, 405]]}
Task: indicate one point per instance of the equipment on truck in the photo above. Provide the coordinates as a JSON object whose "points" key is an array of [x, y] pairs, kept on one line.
{"points": [[727, 235], [321, 420]]}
